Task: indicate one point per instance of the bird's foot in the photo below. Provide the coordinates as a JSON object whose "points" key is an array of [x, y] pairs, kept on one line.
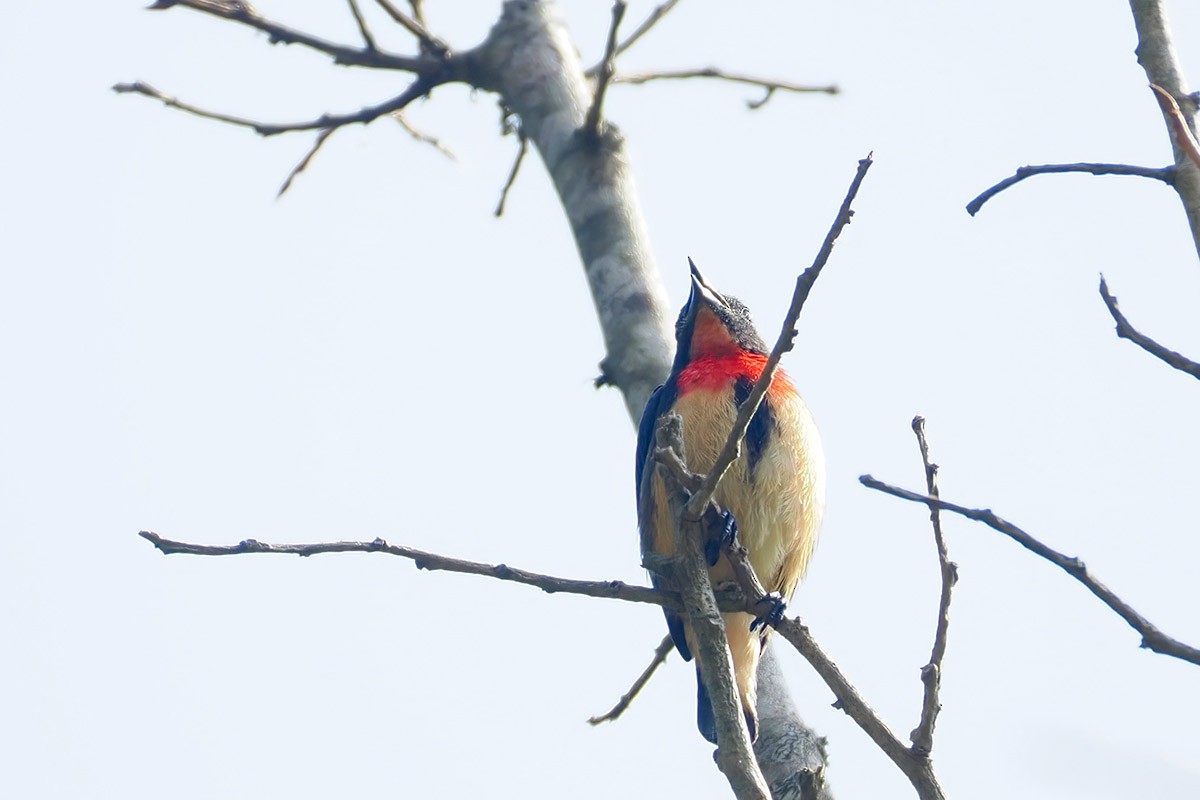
{"points": [[726, 537], [773, 615]]}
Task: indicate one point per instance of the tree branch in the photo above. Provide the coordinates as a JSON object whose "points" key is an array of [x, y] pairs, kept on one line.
{"points": [[785, 342], [522, 149], [770, 84], [368, 39], [1127, 331], [660, 656], [431, 561], [1156, 53], [420, 87], [592, 120], [1164, 174], [735, 754], [416, 26], [931, 673], [303, 164], [237, 11], [1152, 637]]}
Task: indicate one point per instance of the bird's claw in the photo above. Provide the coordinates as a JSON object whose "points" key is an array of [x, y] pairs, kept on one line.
{"points": [[714, 546], [773, 615]]}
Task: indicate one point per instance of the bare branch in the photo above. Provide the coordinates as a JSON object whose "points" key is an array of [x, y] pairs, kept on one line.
{"points": [[931, 673], [432, 561], [770, 84], [657, 14], [592, 121], [416, 26], [1152, 637], [421, 86], [1164, 174], [300, 167], [522, 149], [280, 34], [660, 656], [735, 754], [422, 137], [362, 25], [1127, 331], [1157, 56], [786, 341], [418, 9], [915, 765]]}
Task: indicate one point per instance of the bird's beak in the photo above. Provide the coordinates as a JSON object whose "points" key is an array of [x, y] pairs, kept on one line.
{"points": [[701, 290]]}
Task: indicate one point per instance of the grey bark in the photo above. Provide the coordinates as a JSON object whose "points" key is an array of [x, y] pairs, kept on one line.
{"points": [[1156, 53]]}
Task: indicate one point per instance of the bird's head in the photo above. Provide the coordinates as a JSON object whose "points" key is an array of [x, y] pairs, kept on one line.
{"points": [[712, 325]]}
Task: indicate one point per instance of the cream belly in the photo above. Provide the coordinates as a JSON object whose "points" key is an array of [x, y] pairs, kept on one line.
{"points": [[778, 506]]}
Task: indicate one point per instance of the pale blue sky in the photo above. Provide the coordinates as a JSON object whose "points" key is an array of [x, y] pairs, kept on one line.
{"points": [[375, 355]]}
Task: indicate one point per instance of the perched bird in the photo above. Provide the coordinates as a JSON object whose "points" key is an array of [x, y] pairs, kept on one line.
{"points": [[775, 490]]}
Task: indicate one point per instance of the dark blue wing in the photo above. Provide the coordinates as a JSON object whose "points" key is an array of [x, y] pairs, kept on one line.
{"points": [[659, 403]]}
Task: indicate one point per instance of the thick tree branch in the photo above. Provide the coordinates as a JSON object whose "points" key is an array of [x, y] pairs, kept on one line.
{"points": [[1164, 174], [931, 673], [237, 11], [1152, 637], [785, 342], [1156, 53], [1127, 331], [660, 656]]}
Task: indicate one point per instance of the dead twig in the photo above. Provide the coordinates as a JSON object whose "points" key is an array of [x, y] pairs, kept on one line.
{"points": [[416, 26], [783, 344], [281, 34], [1152, 637], [420, 87], [931, 673], [657, 14], [660, 656], [300, 167], [422, 137], [769, 84], [592, 121], [522, 149], [1127, 331], [368, 40], [1164, 174]]}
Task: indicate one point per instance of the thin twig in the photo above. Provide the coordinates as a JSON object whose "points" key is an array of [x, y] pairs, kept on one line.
{"points": [[362, 25], [770, 84], [280, 34], [432, 561], [1152, 637], [931, 673], [1127, 331], [300, 167], [422, 137], [1164, 174], [657, 14], [660, 656], [421, 86], [786, 341], [416, 26], [418, 10], [522, 149], [592, 121]]}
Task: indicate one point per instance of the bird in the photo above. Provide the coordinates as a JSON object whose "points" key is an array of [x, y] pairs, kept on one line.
{"points": [[774, 491]]}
